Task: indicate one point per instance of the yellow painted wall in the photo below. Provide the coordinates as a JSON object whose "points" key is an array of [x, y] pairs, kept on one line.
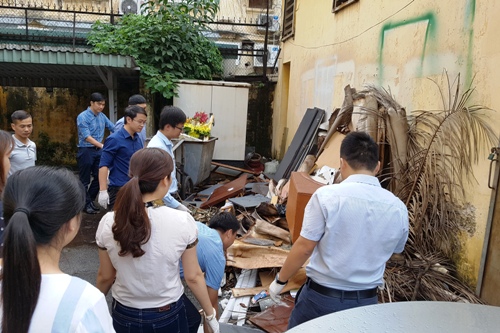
{"points": [[420, 39]]}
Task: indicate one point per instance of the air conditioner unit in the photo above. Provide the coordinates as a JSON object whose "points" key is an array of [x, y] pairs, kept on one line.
{"points": [[272, 22], [272, 54], [130, 6]]}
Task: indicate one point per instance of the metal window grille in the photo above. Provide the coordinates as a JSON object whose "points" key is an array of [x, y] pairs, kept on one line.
{"points": [[288, 19], [339, 4]]}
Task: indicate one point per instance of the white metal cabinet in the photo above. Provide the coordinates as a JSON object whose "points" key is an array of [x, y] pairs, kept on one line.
{"points": [[228, 101]]}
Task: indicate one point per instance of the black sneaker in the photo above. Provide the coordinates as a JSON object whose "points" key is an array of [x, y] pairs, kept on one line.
{"points": [[94, 207], [89, 210]]}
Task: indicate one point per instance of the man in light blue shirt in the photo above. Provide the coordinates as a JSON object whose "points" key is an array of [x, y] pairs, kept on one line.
{"points": [[213, 241], [91, 124], [349, 231], [140, 101], [172, 121]]}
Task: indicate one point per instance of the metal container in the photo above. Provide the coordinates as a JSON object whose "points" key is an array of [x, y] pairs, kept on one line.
{"points": [[195, 158]]}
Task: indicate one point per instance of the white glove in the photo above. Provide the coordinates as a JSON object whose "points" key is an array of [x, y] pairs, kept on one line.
{"points": [[103, 199], [275, 290], [183, 208], [212, 322]]}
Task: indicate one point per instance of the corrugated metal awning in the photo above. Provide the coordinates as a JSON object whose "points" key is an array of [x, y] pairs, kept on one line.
{"points": [[63, 69]]}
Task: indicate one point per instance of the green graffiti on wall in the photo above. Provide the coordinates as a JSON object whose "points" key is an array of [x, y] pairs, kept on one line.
{"points": [[430, 34], [470, 13]]}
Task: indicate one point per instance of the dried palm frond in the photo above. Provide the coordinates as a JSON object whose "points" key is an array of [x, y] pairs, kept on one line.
{"points": [[431, 156], [442, 148]]}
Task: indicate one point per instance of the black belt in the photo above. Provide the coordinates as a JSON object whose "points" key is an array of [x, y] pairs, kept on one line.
{"points": [[160, 309], [347, 294], [93, 147]]}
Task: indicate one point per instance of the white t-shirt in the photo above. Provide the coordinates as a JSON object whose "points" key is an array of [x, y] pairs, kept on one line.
{"points": [[69, 304], [152, 280]]}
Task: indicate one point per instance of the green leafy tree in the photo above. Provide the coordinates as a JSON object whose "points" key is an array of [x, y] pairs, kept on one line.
{"points": [[168, 41]]}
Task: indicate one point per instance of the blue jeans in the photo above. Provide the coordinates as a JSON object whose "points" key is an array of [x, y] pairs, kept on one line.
{"points": [[192, 313], [309, 304], [130, 320], [88, 159]]}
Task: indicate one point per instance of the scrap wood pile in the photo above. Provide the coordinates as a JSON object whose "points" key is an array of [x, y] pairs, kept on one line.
{"points": [[425, 160]]}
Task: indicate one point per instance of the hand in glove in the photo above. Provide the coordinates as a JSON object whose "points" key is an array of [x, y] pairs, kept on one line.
{"points": [[212, 322], [103, 199], [275, 289]]}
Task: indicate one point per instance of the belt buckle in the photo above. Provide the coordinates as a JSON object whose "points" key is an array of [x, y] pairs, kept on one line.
{"points": [[164, 308]]}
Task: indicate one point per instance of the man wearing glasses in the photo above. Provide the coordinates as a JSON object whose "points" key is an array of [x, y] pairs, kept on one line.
{"points": [[172, 121], [118, 149], [24, 153], [91, 124], [138, 100]]}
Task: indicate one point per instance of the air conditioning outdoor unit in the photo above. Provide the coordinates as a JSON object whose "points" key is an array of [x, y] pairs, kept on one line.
{"points": [[272, 54], [130, 6], [272, 22]]}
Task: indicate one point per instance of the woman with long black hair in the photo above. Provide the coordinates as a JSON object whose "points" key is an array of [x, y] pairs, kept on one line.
{"points": [[141, 245], [42, 210]]}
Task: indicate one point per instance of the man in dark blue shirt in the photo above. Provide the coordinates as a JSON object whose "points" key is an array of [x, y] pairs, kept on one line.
{"points": [[91, 124], [118, 149]]}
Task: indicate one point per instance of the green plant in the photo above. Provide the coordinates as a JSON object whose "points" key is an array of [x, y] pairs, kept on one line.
{"points": [[167, 41]]}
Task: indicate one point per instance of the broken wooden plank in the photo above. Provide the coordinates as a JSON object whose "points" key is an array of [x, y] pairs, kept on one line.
{"points": [[230, 167], [226, 191], [248, 256], [266, 278]]}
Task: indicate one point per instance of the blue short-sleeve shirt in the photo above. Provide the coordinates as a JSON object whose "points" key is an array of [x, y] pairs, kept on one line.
{"points": [[116, 153], [210, 254]]}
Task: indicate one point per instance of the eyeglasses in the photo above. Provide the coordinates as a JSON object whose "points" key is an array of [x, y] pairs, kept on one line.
{"points": [[180, 128], [140, 122]]}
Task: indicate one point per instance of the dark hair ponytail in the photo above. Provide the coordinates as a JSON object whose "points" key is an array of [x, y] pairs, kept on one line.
{"points": [[132, 227], [20, 245], [38, 202]]}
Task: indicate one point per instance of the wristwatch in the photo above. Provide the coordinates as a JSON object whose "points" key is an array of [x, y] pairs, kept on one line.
{"points": [[280, 282], [208, 318]]}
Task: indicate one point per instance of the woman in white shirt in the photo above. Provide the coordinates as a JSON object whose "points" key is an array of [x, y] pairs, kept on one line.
{"points": [[42, 210], [141, 245]]}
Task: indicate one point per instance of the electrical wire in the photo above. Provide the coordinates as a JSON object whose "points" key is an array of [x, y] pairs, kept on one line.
{"points": [[354, 37]]}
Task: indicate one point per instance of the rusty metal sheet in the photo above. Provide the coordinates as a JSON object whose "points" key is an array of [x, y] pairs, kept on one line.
{"points": [[275, 318], [226, 191], [250, 201]]}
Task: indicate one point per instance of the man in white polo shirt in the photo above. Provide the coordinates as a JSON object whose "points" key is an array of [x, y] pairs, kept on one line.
{"points": [[24, 153]]}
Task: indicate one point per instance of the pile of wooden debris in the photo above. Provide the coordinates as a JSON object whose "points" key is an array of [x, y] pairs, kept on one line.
{"points": [[415, 152]]}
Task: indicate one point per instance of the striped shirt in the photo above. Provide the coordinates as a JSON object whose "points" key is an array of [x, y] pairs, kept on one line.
{"points": [[90, 124]]}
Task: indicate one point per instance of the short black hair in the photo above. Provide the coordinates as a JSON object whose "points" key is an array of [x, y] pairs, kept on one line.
{"points": [[19, 115], [97, 97], [171, 115], [224, 221], [360, 151], [137, 99], [131, 111]]}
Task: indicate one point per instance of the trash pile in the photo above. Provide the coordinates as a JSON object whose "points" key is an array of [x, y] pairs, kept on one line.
{"points": [[270, 207]]}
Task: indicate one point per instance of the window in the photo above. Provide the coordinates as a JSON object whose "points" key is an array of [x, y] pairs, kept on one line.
{"points": [[339, 4], [288, 19], [261, 4]]}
